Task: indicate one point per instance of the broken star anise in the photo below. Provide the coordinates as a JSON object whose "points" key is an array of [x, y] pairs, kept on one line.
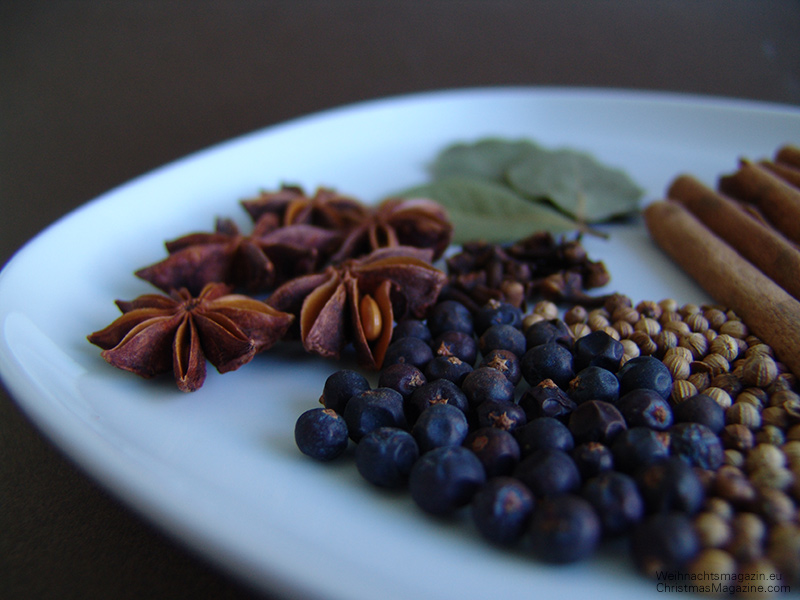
{"points": [[291, 206], [416, 222], [158, 333], [359, 300], [255, 263]]}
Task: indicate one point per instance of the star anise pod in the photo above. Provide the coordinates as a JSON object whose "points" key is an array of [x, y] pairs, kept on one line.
{"points": [[416, 222], [255, 263], [178, 332], [291, 206], [359, 300]]}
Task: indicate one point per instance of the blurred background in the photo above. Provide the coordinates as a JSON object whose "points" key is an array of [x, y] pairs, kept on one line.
{"points": [[95, 93]]}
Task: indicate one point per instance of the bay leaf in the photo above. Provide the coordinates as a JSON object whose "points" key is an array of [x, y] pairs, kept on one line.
{"points": [[488, 158], [483, 210], [576, 183]]}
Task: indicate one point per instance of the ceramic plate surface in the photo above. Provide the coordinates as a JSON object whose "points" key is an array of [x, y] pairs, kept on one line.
{"points": [[218, 468]]}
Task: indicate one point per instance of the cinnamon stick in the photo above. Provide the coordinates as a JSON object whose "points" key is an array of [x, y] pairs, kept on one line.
{"points": [[761, 245], [767, 309], [785, 171], [789, 155], [778, 200]]}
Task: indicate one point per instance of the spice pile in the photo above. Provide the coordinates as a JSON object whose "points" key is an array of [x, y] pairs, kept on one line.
{"points": [[740, 244], [551, 418], [344, 272], [672, 424]]}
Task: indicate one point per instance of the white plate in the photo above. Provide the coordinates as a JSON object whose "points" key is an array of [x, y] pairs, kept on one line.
{"points": [[218, 468]]}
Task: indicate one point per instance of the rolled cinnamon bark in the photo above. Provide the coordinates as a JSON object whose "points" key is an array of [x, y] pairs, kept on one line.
{"points": [[767, 309], [789, 155], [778, 200], [764, 247], [785, 171]]}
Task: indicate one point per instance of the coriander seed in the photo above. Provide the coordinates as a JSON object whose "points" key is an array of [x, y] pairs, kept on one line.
{"points": [[712, 530], [744, 414], [576, 314], [715, 317], [765, 455], [759, 370], [678, 366], [700, 381], [734, 328], [547, 309], [726, 346], [737, 437], [775, 506], [769, 434], [720, 507], [777, 416], [719, 396], [668, 305], [734, 458], [682, 389]]}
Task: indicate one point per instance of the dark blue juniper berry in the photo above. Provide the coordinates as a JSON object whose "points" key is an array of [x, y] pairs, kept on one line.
{"points": [[501, 510], [408, 350], [546, 399], [593, 458], [447, 367], [501, 414], [321, 433], [596, 421], [564, 529], [502, 337], [450, 315], [384, 456], [456, 343], [594, 383], [646, 408], [412, 328], [598, 349], [645, 372], [497, 312], [504, 361], [340, 386], [379, 407], [543, 432], [445, 479], [638, 447], [671, 485], [697, 445], [548, 472], [485, 383], [440, 425], [547, 361], [438, 391], [664, 543], [701, 409], [497, 449], [617, 501], [545, 332], [402, 377]]}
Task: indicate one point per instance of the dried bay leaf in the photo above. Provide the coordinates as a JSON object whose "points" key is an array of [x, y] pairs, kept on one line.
{"points": [[576, 183], [488, 158], [483, 210]]}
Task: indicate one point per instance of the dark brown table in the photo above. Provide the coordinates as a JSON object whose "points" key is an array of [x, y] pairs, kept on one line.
{"points": [[94, 93]]}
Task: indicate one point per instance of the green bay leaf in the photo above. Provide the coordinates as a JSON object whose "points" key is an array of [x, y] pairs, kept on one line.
{"points": [[576, 183], [482, 210], [488, 158]]}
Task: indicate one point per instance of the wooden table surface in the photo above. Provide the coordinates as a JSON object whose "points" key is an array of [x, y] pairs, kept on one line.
{"points": [[94, 93]]}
